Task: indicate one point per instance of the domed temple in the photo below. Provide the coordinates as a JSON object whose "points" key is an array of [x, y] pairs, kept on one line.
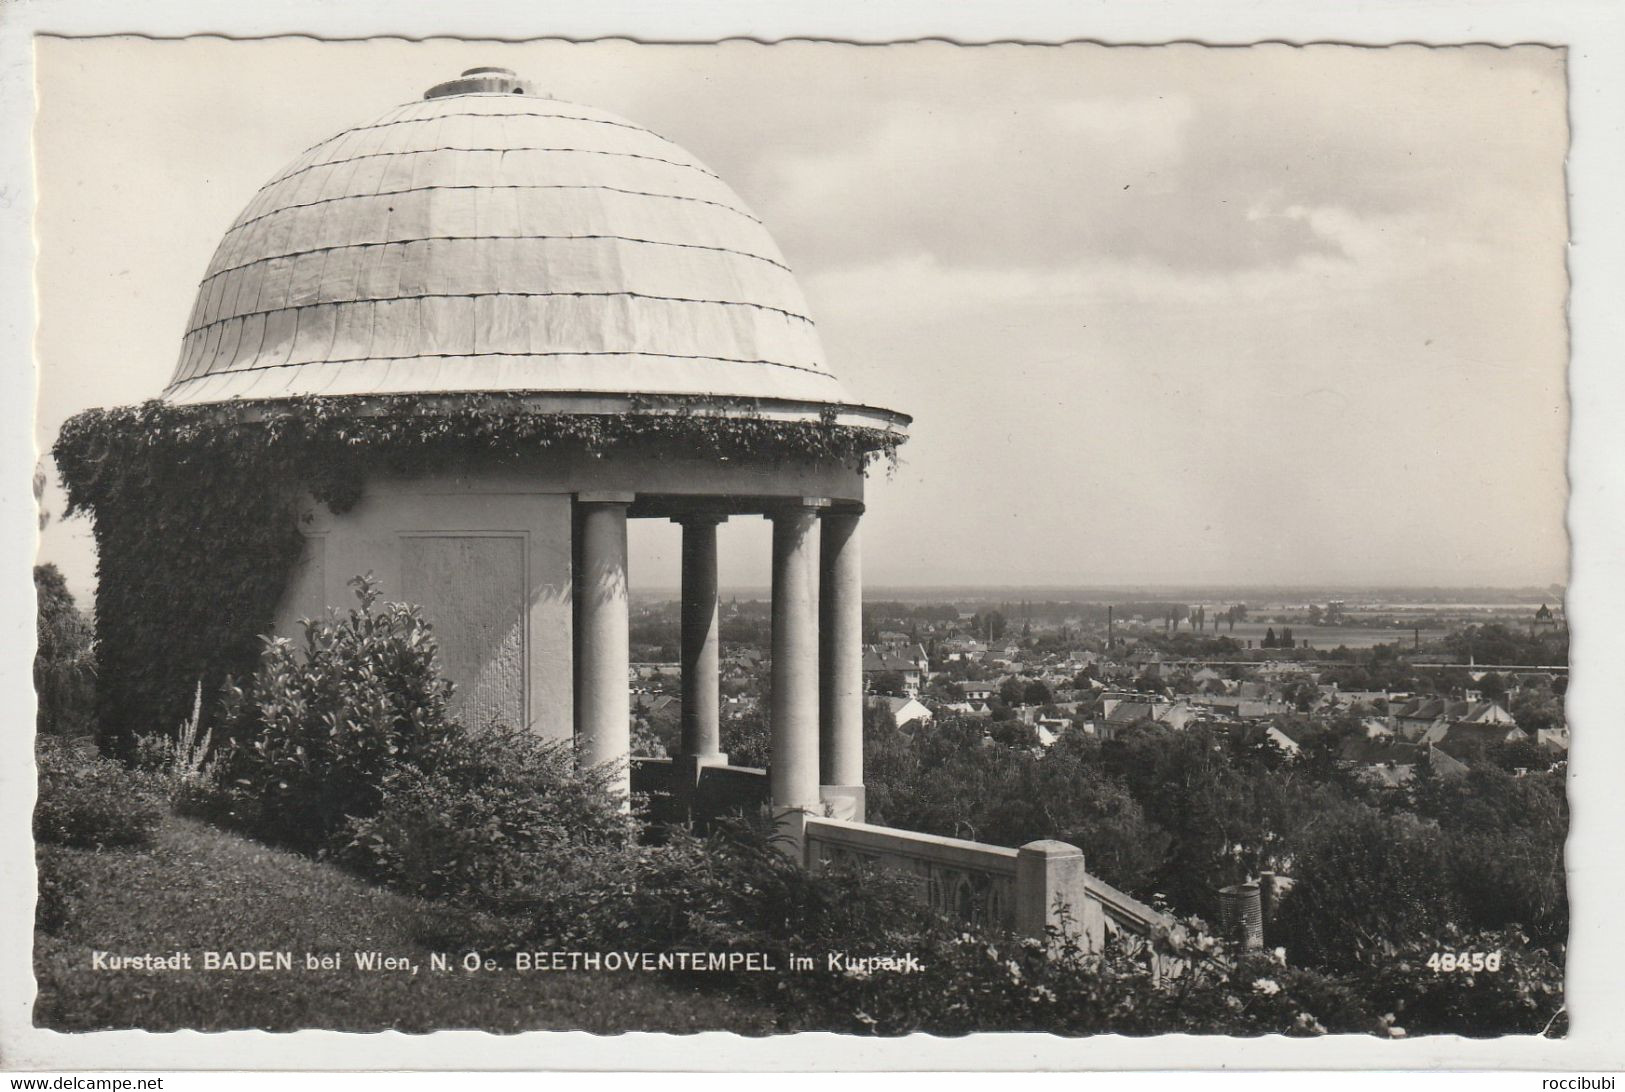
{"points": [[488, 241], [458, 348]]}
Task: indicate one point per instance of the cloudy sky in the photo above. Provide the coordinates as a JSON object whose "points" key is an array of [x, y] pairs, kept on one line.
{"points": [[1162, 315]]}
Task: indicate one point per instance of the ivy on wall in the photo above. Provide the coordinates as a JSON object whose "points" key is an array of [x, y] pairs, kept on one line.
{"points": [[196, 507]]}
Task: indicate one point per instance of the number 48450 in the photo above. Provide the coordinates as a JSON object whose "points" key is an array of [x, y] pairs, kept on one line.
{"points": [[1465, 961]]}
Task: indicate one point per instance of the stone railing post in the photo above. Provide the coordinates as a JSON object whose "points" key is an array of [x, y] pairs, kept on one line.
{"points": [[1052, 889]]}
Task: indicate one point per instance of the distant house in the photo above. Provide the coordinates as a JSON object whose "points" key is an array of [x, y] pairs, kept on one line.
{"points": [[905, 711], [1289, 735], [1255, 733], [978, 690], [1377, 728], [1555, 739], [882, 660], [643, 672], [1224, 706], [1460, 737], [1380, 762], [659, 704], [960, 648], [1125, 714], [1413, 719], [1446, 765]]}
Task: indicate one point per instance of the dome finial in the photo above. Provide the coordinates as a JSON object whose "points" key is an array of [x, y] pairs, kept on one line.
{"points": [[481, 81]]}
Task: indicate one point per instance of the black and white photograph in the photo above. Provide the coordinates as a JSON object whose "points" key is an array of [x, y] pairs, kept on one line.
{"points": [[795, 536]]}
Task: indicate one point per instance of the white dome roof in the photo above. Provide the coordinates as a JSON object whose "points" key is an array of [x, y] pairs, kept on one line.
{"points": [[484, 239]]}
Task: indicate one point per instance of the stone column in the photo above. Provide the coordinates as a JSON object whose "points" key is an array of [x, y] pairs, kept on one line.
{"points": [[840, 633], [701, 738], [605, 710], [793, 774]]}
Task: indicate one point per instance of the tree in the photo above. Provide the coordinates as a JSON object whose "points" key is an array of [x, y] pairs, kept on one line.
{"points": [[1518, 754], [989, 626], [1269, 638], [889, 682], [1189, 789], [1013, 733], [64, 660], [1036, 693], [1302, 693], [1504, 835], [1536, 710], [1363, 887]]}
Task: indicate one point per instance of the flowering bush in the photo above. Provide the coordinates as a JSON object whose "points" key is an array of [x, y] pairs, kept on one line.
{"points": [[977, 980], [1523, 995]]}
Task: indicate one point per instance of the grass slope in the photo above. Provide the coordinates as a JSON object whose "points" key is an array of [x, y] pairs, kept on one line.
{"points": [[199, 888]]}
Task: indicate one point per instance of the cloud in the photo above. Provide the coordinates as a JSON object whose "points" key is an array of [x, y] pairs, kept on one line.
{"points": [[1209, 161]]}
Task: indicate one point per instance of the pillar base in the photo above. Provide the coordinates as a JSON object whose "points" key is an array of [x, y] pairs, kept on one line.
{"points": [[790, 828], [843, 801], [686, 768]]}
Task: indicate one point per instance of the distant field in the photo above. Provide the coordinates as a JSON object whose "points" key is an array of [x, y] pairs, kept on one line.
{"points": [[1326, 636]]}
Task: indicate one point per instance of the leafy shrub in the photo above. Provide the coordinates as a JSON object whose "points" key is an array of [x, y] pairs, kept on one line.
{"points": [[59, 887], [89, 801], [485, 813], [323, 725]]}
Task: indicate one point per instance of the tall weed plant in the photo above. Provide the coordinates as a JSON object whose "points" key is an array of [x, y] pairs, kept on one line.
{"points": [[182, 762]]}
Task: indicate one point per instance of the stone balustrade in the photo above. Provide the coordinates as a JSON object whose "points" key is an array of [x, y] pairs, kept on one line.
{"points": [[1042, 884]]}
